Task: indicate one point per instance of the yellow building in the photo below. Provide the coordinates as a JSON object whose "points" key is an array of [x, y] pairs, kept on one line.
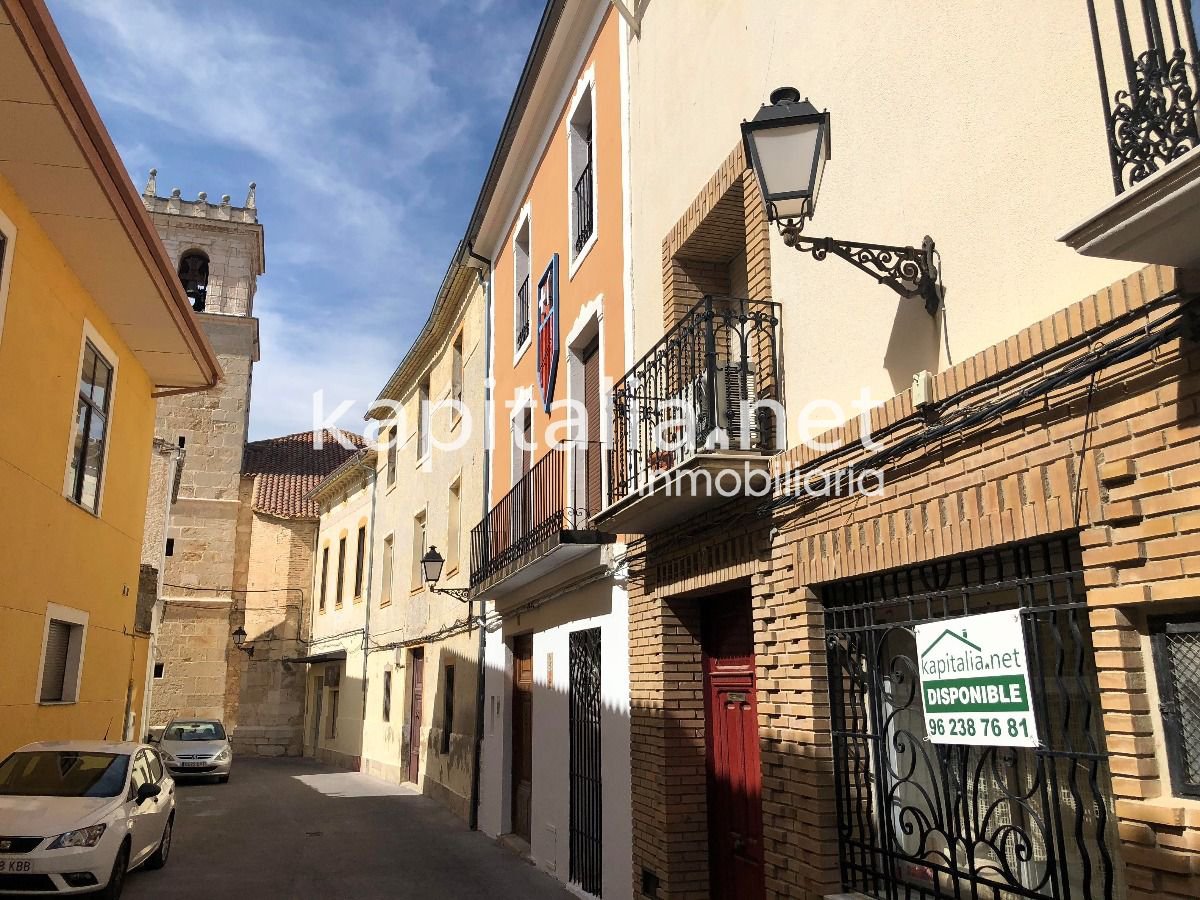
{"points": [[93, 326]]}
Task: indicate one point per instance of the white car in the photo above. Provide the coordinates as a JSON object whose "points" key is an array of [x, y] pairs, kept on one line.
{"points": [[196, 748], [75, 816]]}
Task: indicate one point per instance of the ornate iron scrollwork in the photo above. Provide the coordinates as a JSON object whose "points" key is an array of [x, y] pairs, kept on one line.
{"points": [[1154, 123], [906, 270]]}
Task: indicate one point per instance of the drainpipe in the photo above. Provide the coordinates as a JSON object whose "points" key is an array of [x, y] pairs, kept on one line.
{"points": [[370, 572], [480, 264]]}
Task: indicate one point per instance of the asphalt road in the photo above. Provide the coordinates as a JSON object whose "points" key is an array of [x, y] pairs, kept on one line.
{"points": [[295, 829]]}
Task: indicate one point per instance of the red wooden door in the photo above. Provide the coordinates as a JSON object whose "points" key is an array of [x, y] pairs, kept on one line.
{"points": [[734, 770], [522, 735], [417, 661]]}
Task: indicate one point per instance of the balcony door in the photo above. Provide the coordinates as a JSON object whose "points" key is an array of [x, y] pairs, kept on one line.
{"points": [[593, 479]]}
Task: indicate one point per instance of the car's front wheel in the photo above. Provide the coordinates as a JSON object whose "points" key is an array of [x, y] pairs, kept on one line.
{"points": [[158, 858], [116, 881]]}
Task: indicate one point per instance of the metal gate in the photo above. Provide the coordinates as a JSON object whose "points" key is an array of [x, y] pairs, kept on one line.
{"points": [[917, 819], [586, 810]]}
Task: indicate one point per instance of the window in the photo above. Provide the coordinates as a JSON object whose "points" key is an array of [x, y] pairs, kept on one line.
{"points": [[387, 695], [579, 135], [385, 594], [193, 273], [456, 369], [393, 439], [170, 547], [332, 718], [448, 709], [62, 655], [423, 420], [156, 766], [358, 565], [324, 576], [1176, 643], [419, 546], [341, 576], [453, 518], [159, 669], [521, 269], [91, 428]]}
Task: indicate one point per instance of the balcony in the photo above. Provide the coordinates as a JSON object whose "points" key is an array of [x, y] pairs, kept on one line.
{"points": [[706, 400], [1146, 62], [542, 524]]}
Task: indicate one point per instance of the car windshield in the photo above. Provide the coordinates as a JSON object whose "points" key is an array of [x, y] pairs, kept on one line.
{"points": [[63, 773], [194, 731]]}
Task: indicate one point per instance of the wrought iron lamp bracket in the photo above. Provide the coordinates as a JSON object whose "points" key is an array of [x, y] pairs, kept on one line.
{"points": [[908, 271], [461, 594]]}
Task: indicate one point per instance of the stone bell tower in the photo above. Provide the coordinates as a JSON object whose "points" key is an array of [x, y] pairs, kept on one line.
{"points": [[218, 252]]}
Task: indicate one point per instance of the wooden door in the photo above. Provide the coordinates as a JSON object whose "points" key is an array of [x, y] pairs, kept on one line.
{"points": [[734, 770], [593, 477], [417, 698], [522, 734], [318, 709]]}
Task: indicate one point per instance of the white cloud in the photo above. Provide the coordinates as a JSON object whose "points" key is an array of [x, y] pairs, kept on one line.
{"points": [[351, 122]]}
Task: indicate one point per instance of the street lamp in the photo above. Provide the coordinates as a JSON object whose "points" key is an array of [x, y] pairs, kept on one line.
{"points": [[431, 571], [239, 641], [787, 144]]}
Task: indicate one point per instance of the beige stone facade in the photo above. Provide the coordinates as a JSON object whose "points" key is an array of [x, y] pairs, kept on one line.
{"points": [[197, 576]]}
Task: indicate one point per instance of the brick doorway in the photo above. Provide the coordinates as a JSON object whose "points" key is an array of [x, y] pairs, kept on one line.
{"points": [[733, 767]]}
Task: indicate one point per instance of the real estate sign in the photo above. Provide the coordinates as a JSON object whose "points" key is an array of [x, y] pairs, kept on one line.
{"points": [[975, 681]]}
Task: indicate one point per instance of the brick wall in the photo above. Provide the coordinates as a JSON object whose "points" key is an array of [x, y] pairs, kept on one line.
{"points": [[1115, 458]]}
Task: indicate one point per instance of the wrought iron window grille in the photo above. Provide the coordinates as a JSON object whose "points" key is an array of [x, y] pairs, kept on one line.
{"points": [[922, 820], [1176, 644], [584, 212], [1152, 119], [522, 313]]}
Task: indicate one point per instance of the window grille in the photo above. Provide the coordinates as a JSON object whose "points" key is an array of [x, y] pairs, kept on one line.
{"points": [[1176, 643]]}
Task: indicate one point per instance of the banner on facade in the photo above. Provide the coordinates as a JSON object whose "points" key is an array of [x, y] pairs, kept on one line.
{"points": [[975, 681]]}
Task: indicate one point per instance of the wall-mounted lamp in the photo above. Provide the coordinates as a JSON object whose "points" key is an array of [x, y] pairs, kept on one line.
{"points": [[239, 641], [431, 571], [787, 144]]}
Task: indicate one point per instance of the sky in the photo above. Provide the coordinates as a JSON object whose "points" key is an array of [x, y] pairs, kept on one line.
{"points": [[367, 126]]}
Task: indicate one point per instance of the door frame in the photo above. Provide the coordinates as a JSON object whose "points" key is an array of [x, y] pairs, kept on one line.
{"points": [[416, 700], [725, 671]]}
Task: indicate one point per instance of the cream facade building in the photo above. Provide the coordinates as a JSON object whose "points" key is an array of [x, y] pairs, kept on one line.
{"points": [[1026, 431], [341, 607], [423, 646]]}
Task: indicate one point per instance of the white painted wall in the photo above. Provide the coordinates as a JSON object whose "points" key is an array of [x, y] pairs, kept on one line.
{"points": [[552, 626], [978, 123]]}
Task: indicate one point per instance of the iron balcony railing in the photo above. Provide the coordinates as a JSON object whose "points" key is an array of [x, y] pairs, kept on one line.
{"points": [[552, 497], [583, 207], [710, 384], [522, 312], [1146, 59]]}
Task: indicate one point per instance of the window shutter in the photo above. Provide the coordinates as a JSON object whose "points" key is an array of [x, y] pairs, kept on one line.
{"points": [[592, 450], [54, 669]]}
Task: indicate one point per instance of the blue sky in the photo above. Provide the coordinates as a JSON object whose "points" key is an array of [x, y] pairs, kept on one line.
{"points": [[368, 127]]}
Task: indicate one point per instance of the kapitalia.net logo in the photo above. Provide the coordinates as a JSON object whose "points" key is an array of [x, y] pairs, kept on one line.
{"points": [[962, 677]]}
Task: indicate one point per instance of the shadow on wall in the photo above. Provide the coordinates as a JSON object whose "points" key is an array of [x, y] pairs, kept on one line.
{"points": [[914, 344]]}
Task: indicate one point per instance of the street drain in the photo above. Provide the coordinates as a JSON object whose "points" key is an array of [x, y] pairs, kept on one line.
{"points": [[313, 833]]}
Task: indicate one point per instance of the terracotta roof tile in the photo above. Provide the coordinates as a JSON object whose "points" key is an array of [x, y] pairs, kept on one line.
{"points": [[286, 468]]}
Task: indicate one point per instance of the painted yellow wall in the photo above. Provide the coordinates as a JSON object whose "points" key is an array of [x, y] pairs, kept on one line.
{"points": [[52, 551]]}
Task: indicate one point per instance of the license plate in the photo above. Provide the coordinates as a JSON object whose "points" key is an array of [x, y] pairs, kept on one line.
{"points": [[16, 866], [193, 763]]}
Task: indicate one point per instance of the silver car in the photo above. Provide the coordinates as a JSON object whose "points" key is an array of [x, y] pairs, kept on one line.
{"points": [[196, 748]]}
